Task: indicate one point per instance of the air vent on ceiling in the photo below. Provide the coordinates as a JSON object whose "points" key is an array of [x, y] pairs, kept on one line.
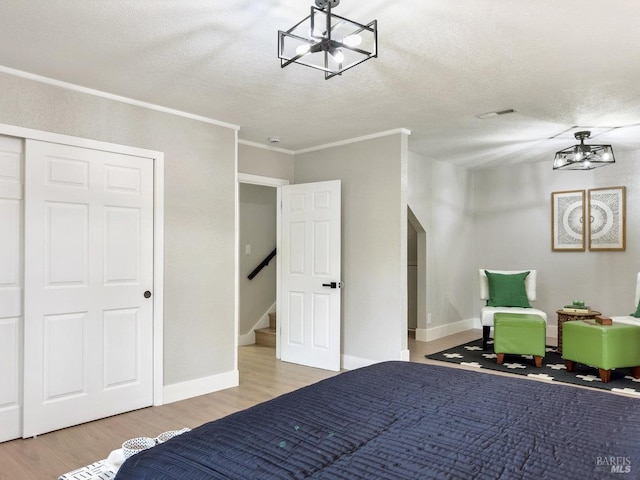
{"points": [[495, 114]]}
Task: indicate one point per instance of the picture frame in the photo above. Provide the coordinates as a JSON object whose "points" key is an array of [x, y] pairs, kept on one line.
{"points": [[567, 221], [607, 219]]}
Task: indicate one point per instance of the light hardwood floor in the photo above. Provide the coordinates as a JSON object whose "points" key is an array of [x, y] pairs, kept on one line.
{"points": [[262, 377]]}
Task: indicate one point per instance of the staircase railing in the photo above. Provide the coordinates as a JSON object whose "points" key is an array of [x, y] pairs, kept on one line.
{"points": [[263, 264]]}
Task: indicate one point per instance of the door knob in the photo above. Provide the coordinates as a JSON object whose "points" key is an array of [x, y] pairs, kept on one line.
{"points": [[147, 294], [333, 285]]}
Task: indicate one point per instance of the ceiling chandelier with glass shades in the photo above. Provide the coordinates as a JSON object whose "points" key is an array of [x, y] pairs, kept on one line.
{"points": [[583, 157], [328, 42]]}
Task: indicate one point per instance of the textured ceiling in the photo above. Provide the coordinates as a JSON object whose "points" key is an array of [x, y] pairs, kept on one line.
{"points": [[562, 66]]}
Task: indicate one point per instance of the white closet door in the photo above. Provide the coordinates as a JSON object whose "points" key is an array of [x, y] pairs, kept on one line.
{"points": [[88, 263], [11, 283]]}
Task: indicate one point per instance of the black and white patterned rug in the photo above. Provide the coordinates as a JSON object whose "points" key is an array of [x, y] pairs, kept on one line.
{"points": [[553, 368]]}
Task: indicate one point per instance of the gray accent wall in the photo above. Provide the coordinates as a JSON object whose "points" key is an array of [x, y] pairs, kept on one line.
{"points": [[265, 162], [374, 245], [200, 194], [513, 231]]}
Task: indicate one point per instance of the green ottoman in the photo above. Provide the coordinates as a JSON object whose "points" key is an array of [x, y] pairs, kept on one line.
{"points": [[602, 347], [519, 333]]}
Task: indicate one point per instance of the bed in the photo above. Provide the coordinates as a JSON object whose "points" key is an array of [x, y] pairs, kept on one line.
{"points": [[400, 420]]}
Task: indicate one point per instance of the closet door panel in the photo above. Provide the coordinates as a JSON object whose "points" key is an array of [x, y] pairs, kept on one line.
{"points": [[88, 324], [11, 286]]}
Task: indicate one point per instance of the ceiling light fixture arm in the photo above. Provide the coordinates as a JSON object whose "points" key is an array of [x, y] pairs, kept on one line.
{"points": [[327, 3], [582, 135]]}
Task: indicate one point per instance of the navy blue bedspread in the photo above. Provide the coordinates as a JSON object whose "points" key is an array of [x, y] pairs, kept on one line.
{"points": [[399, 420]]}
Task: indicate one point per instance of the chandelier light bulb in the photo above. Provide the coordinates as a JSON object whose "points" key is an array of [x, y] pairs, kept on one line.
{"points": [[303, 49], [352, 40], [337, 55]]}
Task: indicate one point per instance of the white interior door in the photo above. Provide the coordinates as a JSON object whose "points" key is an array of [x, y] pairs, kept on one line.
{"points": [[11, 284], [88, 264], [310, 267]]}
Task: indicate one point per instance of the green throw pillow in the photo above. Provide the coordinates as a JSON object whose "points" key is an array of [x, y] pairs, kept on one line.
{"points": [[637, 312], [507, 290]]}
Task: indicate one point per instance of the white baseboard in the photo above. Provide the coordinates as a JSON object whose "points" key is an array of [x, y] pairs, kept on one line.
{"points": [[201, 386], [421, 334], [441, 331], [349, 362], [248, 339], [264, 319], [469, 324], [263, 322]]}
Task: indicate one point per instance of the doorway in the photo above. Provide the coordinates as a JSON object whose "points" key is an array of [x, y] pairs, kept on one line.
{"points": [[412, 280], [257, 278], [258, 199], [313, 333], [417, 277]]}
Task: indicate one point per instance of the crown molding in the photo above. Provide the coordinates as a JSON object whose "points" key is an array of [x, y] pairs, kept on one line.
{"points": [[354, 140], [265, 147], [117, 98]]}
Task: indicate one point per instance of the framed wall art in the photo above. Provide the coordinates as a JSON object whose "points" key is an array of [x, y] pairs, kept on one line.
{"points": [[607, 229], [567, 221]]}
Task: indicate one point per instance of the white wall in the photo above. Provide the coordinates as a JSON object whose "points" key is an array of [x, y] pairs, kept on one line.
{"points": [[200, 171], [374, 225], [513, 230], [440, 196]]}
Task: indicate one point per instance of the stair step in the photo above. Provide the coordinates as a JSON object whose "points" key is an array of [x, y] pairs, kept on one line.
{"points": [[272, 320], [266, 337]]}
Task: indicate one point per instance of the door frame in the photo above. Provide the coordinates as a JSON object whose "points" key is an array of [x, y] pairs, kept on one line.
{"points": [[158, 228]]}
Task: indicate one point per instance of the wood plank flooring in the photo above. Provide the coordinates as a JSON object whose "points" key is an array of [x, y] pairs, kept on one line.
{"points": [[48, 456], [262, 377]]}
